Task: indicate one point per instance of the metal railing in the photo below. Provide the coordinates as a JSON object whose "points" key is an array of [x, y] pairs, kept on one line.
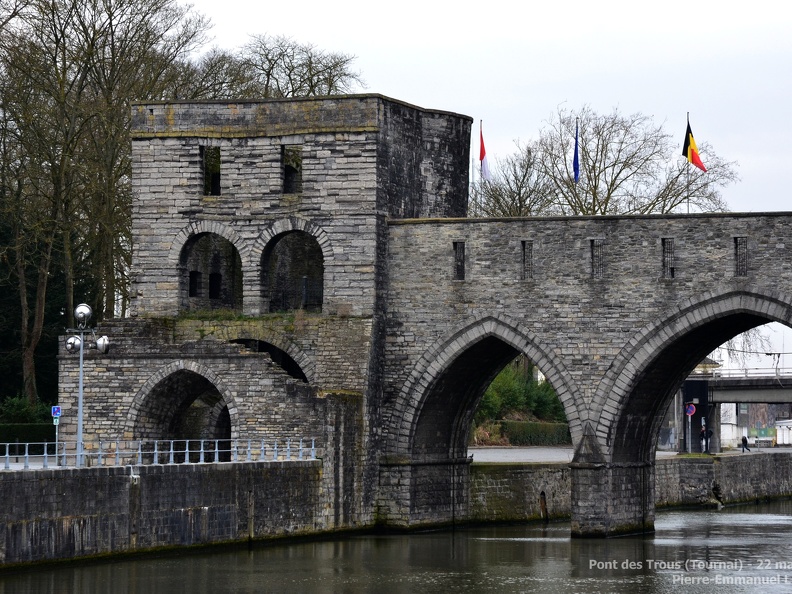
{"points": [[65, 454], [752, 372]]}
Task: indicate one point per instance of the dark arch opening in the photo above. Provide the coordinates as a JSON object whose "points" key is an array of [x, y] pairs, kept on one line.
{"points": [[278, 356], [210, 274], [634, 437], [444, 421], [292, 273], [185, 406]]}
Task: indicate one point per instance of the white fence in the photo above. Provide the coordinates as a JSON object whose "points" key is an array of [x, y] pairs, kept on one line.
{"points": [[64, 454]]}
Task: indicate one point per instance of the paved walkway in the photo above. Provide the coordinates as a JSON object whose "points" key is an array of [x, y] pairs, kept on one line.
{"points": [[561, 454]]}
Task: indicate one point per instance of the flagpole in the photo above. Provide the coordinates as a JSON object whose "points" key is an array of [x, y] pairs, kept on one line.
{"points": [[481, 138], [687, 172]]}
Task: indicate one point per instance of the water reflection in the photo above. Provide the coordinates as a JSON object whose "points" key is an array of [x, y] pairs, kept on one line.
{"points": [[744, 547]]}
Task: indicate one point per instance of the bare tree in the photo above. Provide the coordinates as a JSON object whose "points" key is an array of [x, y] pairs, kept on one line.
{"points": [[518, 189], [10, 9], [628, 165], [69, 69], [217, 74], [281, 67], [135, 45]]}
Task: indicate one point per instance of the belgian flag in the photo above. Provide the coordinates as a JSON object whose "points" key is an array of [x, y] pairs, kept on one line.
{"points": [[690, 150]]}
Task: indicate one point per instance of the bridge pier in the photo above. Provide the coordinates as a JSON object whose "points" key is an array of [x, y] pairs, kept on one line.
{"points": [[429, 491], [610, 498]]}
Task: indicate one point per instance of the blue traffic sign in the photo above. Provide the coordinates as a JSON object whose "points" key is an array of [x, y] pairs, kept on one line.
{"points": [[690, 409], [56, 411]]}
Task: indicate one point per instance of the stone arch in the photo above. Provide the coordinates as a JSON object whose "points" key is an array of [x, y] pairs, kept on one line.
{"points": [[198, 227], [210, 268], [306, 363], [632, 395], [281, 226], [294, 254], [497, 335], [142, 396]]}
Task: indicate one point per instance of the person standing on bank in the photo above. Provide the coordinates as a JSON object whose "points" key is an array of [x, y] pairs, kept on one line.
{"points": [[745, 444]]}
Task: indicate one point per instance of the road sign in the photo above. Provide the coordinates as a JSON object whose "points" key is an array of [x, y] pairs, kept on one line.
{"points": [[56, 412], [55, 420], [690, 409]]}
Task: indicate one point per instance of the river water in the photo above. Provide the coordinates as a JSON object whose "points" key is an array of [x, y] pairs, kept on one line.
{"points": [[737, 549]]}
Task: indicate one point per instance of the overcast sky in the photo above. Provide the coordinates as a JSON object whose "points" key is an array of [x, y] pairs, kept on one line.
{"points": [[512, 64]]}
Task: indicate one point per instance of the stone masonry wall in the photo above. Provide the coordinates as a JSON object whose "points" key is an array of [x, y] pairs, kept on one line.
{"points": [[574, 321], [512, 492], [125, 388], [65, 514], [70, 513], [360, 156], [729, 479], [519, 492]]}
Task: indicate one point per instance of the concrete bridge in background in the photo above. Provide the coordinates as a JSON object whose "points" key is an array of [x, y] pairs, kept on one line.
{"points": [[751, 388], [305, 268]]}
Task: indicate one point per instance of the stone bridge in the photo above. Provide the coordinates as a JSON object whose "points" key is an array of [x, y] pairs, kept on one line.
{"points": [[305, 268]]}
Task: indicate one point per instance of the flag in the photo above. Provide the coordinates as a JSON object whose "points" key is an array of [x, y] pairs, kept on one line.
{"points": [[485, 172], [690, 150], [576, 159]]}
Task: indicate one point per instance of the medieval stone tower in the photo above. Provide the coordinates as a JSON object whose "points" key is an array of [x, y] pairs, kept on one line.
{"points": [[259, 274]]}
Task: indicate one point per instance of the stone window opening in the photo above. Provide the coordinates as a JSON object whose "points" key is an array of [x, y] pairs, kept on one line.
{"points": [[291, 158], [669, 266], [292, 269], [210, 169], [597, 258], [195, 284], [740, 256], [527, 260], [210, 274], [459, 260], [215, 285]]}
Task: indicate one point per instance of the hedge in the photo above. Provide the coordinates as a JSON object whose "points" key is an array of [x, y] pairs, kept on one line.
{"points": [[525, 433], [25, 433]]}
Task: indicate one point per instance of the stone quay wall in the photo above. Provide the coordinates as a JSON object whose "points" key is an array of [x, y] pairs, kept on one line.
{"points": [[72, 513], [728, 479], [501, 492]]}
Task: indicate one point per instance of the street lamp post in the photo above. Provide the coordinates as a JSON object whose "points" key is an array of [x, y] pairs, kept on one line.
{"points": [[83, 313]]}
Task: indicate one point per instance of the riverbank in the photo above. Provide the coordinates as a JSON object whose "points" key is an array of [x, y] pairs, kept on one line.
{"points": [[81, 513], [526, 484]]}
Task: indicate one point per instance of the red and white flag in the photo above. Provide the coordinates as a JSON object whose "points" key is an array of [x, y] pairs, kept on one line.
{"points": [[485, 172]]}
